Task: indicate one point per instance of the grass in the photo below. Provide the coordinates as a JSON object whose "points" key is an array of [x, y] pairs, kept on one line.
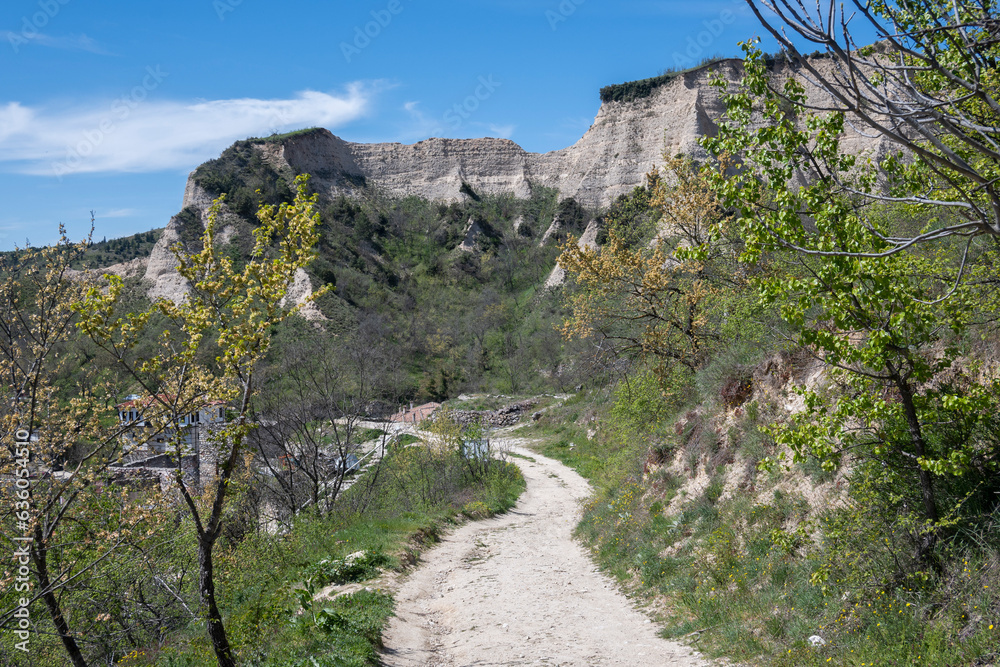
{"points": [[269, 610], [407, 439], [743, 577], [367, 434]]}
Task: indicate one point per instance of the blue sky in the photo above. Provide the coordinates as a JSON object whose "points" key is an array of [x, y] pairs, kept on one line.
{"points": [[107, 106]]}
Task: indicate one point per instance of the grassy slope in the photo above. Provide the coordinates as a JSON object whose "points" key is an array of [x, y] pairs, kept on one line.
{"points": [[729, 568], [265, 619]]}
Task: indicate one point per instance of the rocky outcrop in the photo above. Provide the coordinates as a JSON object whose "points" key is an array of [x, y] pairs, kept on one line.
{"points": [[508, 415], [626, 141], [588, 241], [133, 268], [472, 232], [299, 293], [161, 270]]}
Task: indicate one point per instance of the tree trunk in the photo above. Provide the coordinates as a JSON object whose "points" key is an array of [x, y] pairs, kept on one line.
{"points": [[919, 448], [925, 540], [38, 555], [206, 581]]}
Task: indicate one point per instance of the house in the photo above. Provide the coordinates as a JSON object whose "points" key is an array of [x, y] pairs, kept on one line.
{"points": [[133, 414], [152, 436], [415, 415]]}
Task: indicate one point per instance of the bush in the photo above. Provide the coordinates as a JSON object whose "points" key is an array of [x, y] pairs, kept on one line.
{"points": [[357, 566]]}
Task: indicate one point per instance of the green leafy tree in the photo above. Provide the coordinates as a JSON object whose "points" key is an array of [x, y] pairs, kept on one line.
{"points": [[663, 297], [58, 439], [884, 321], [224, 326], [928, 85]]}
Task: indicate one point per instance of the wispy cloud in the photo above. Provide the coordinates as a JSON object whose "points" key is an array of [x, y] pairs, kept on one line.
{"points": [[117, 213], [136, 134], [68, 42], [502, 131], [419, 125]]}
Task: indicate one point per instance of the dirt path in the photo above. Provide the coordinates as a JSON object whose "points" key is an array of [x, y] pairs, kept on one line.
{"points": [[517, 590]]}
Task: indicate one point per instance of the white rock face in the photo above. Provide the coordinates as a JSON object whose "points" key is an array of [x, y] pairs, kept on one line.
{"points": [[626, 141], [301, 290], [588, 241], [161, 270], [162, 267], [472, 232]]}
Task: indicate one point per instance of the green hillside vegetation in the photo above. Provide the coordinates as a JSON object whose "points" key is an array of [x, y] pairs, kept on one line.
{"points": [[106, 252], [800, 463], [705, 509], [461, 320], [782, 363], [642, 88], [118, 561]]}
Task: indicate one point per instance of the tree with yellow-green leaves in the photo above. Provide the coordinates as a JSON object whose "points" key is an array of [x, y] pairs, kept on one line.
{"points": [[63, 524], [219, 335], [661, 283]]}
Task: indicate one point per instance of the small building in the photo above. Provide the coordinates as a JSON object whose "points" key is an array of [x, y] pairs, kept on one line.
{"points": [[152, 437], [133, 412], [415, 415]]}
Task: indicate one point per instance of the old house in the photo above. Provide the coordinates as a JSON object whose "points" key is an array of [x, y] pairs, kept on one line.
{"points": [[153, 437]]}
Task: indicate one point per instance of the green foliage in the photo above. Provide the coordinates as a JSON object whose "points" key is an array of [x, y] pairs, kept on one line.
{"points": [[357, 566], [114, 251], [884, 321], [636, 90], [746, 575], [343, 632], [247, 180], [641, 402], [382, 522]]}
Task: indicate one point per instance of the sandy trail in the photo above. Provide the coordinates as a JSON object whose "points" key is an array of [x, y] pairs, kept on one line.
{"points": [[518, 590]]}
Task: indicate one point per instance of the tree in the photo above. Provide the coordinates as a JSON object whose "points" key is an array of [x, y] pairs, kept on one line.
{"points": [[65, 516], [891, 344], [224, 327], [878, 252], [929, 85], [656, 297], [314, 402]]}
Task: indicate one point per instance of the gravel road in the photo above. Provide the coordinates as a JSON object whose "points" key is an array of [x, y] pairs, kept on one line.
{"points": [[518, 590]]}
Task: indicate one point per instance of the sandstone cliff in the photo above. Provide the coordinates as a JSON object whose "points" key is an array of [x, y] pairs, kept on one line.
{"points": [[625, 142]]}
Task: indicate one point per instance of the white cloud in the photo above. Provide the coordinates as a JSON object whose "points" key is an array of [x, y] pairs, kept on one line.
{"points": [[419, 125], [502, 131], [136, 134], [70, 42], [117, 213]]}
